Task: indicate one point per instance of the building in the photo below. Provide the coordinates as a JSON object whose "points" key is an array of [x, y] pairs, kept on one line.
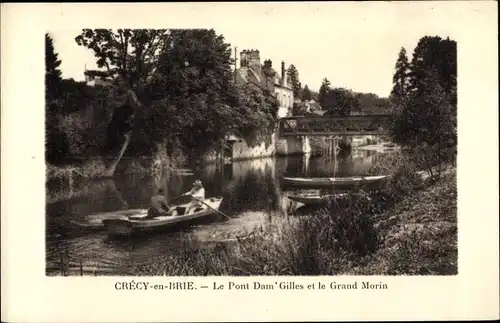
{"points": [[312, 106], [264, 76], [93, 80]]}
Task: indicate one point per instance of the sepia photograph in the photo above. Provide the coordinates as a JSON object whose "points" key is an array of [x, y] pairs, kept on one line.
{"points": [[188, 152], [181, 152], [330, 161]]}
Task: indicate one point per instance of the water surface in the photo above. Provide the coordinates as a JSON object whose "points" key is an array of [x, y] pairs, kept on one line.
{"points": [[249, 188]]}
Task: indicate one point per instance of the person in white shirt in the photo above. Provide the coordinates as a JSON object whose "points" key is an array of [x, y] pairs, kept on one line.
{"points": [[197, 194]]}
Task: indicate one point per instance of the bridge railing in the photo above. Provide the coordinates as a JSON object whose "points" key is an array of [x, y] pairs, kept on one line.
{"points": [[334, 125]]}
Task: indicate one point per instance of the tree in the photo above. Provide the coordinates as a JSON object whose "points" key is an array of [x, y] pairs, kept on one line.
{"points": [[182, 82], [306, 94], [53, 77], [438, 54], [256, 114], [56, 145], [340, 102], [325, 87], [426, 118], [400, 79], [201, 97], [293, 75], [129, 58], [428, 121]]}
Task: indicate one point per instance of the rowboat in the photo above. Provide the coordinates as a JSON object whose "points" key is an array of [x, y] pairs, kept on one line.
{"points": [[312, 199], [95, 221], [333, 182], [140, 224]]}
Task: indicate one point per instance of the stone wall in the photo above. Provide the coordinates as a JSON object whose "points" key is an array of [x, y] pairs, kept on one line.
{"points": [[280, 147], [242, 151]]}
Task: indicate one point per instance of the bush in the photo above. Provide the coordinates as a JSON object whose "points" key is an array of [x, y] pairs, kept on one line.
{"points": [[74, 127]]}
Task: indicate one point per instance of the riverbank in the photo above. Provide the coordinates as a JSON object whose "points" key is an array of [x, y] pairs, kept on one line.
{"points": [[94, 168], [406, 227], [420, 234]]}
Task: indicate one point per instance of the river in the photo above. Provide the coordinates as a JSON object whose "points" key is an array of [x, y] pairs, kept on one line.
{"points": [[249, 188]]}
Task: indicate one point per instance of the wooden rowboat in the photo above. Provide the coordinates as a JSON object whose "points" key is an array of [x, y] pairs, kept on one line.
{"points": [[140, 224], [312, 199], [332, 182], [95, 221]]}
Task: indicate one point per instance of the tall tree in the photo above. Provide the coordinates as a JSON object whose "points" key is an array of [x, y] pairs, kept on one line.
{"points": [[306, 94], [56, 145], [323, 90], [400, 79], [293, 75], [53, 77], [196, 71], [428, 120], [129, 57], [438, 54]]}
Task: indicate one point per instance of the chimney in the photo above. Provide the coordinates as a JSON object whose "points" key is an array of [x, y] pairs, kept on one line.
{"points": [[254, 60], [283, 79], [243, 58]]}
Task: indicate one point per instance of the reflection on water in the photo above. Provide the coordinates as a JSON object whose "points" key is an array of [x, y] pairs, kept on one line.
{"points": [[247, 187]]}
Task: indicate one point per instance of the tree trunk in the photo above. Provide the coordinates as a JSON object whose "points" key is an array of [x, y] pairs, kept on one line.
{"points": [[132, 101], [110, 169]]}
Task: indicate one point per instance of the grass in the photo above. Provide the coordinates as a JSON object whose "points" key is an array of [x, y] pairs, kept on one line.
{"points": [[407, 226]]}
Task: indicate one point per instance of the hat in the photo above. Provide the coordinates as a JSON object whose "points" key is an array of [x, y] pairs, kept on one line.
{"points": [[197, 182]]}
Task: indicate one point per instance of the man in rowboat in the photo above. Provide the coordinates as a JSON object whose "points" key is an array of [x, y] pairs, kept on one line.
{"points": [[159, 205], [197, 194]]}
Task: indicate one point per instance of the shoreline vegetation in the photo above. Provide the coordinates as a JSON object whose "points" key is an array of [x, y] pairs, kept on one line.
{"points": [[407, 227], [93, 169]]}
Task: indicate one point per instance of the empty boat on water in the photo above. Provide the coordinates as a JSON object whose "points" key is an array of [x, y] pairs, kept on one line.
{"points": [[333, 182], [314, 199], [140, 223]]}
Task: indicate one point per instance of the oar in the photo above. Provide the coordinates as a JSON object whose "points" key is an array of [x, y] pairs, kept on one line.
{"points": [[214, 209], [133, 216], [175, 200]]}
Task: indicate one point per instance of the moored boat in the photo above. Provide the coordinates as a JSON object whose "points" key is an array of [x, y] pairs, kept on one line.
{"points": [[333, 182], [139, 223], [312, 199]]}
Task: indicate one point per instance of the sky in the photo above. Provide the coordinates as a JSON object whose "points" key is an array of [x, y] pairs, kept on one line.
{"points": [[354, 45]]}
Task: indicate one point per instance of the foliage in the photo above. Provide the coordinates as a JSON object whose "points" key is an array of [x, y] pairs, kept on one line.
{"points": [[306, 94], [192, 95], [370, 103], [74, 128], [298, 109], [440, 55], [421, 233], [256, 115], [400, 79], [56, 144], [129, 55], [340, 102], [323, 90], [426, 118], [52, 73], [293, 75], [167, 88]]}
